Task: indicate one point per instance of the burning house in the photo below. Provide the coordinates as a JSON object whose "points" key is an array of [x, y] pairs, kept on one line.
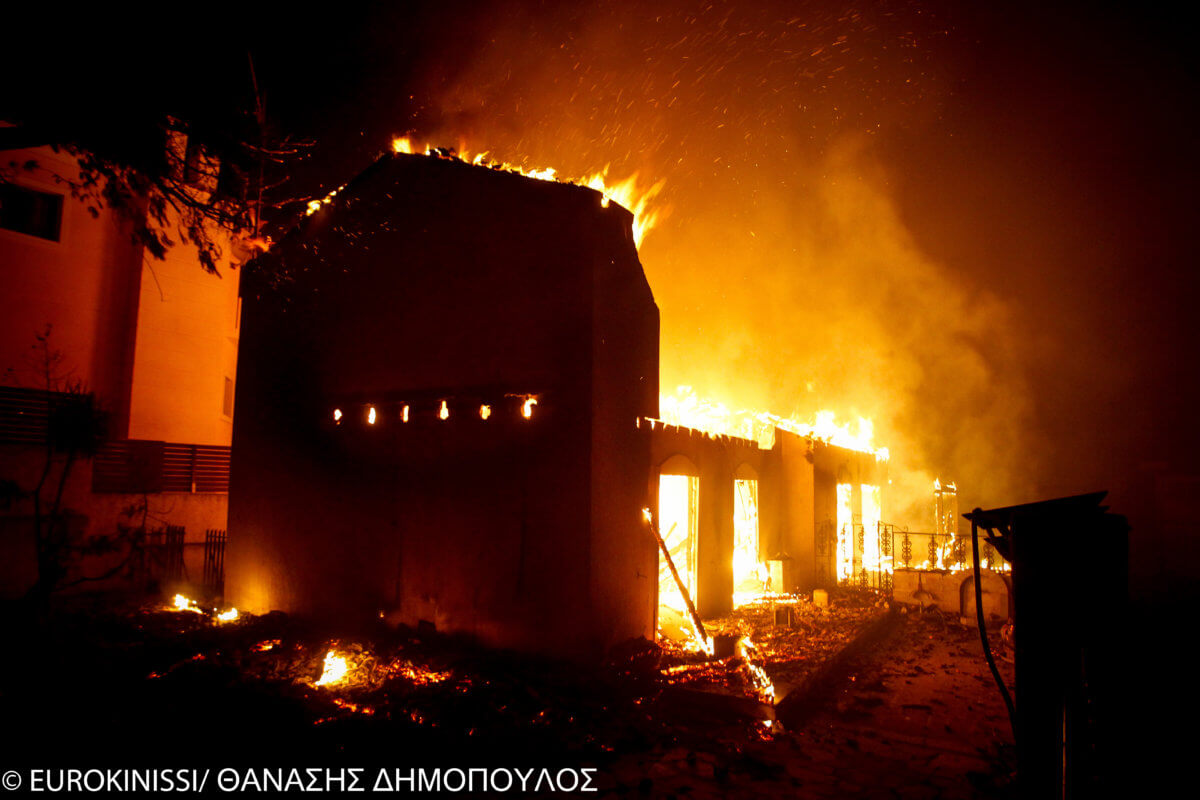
{"points": [[451, 417], [744, 518], [438, 424]]}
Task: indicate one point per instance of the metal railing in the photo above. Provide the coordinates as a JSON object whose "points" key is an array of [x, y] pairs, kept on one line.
{"points": [[846, 560]]}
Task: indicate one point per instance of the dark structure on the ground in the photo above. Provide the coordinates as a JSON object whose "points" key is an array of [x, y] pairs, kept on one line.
{"points": [[436, 417], [1070, 584]]}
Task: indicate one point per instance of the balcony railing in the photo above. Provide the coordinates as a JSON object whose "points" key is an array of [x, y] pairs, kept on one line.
{"points": [[137, 466]]}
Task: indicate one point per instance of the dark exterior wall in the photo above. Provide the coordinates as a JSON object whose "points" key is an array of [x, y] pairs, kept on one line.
{"points": [[623, 553], [429, 280], [797, 490], [825, 479]]}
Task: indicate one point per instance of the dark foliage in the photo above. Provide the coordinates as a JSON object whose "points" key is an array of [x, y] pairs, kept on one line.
{"points": [[168, 124]]}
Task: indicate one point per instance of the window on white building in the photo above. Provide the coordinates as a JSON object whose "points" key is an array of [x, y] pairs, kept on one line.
{"points": [[31, 212]]}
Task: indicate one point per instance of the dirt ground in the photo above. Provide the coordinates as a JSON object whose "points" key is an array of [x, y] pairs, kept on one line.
{"points": [[919, 717], [916, 716]]}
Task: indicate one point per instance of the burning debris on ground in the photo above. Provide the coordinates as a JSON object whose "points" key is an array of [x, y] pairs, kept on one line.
{"points": [[775, 644], [425, 689], [144, 669]]}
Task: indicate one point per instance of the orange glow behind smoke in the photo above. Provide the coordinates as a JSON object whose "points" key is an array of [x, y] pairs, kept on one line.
{"points": [[793, 272]]}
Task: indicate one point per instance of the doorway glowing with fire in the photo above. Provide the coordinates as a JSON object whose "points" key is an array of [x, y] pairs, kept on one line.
{"points": [[679, 522], [749, 572]]}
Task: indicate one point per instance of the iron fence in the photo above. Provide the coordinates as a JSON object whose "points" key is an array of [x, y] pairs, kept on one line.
{"points": [[845, 558], [214, 559], [158, 558]]}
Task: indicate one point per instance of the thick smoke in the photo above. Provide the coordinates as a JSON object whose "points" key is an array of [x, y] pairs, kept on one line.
{"points": [[785, 273]]}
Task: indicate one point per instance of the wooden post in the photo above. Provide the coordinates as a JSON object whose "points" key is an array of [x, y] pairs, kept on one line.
{"points": [[687, 598]]}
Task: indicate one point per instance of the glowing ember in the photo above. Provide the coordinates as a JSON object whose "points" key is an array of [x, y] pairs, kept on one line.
{"points": [[444, 411], [337, 415], [527, 407], [356, 708], [485, 412], [265, 645], [228, 616], [181, 603], [315, 205], [404, 414], [371, 415], [687, 409], [334, 671], [634, 197], [414, 673]]}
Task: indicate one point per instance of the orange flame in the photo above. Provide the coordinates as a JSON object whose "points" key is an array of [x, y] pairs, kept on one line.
{"points": [[763, 686], [687, 409], [181, 603], [334, 671], [630, 193]]}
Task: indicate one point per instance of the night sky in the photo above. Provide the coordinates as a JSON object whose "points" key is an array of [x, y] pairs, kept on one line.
{"points": [[969, 222]]}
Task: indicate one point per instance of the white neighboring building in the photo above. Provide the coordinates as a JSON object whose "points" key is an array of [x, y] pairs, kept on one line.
{"points": [[155, 340]]}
